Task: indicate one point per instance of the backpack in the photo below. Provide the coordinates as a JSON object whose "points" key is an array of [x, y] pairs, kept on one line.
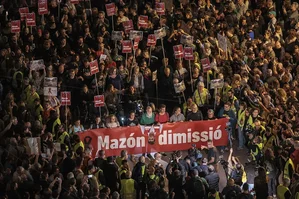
{"points": [[198, 187]]}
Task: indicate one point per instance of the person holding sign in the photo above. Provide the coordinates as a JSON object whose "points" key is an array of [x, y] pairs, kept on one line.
{"points": [[201, 96]]}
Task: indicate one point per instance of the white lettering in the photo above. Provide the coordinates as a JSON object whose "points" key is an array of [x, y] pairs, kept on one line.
{"points": [[122, 144], [114, 144], [218, 133], [140, 141], [162, 138], [195, 136], [204, 136], [103, 144], [179, 138]]}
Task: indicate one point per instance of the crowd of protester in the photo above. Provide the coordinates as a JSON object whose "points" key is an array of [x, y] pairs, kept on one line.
{"points": [[259, 97]]}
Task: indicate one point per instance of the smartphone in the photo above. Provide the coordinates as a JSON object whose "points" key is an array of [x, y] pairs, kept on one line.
{"points": [[89, 176]]}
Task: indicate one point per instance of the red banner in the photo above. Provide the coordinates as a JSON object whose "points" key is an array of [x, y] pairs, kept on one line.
{"points": [[205, 62], [42, 7], [23, 12], [128, 26], [151, 40], [94, 67], [166, 137], [160, 8], [15, 26], [143, 21], [110, 9], [65, 98], [178, 51], [188, 53], [75, 1], [99, 101], [30, 19], [127, 46]]}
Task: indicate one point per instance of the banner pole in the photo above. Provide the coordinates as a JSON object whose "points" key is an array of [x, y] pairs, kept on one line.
{"points": [[66, 127], [157, 93], [31, 29], [95, 76], [191, 76], [150, 55], [112, 21], [58, 8], [43, 20], [208, 87]]}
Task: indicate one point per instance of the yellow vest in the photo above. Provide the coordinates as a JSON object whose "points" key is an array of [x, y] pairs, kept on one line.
{"points": [[30, 100], [224, 93], [281, 190], [269, 143], [26, 93], [78, 145], [200, 98], [99, 182], [185, 107], [286, 172], [57, 122], [127, 189], [61, 139], [38, 112], [244, 177], [217, 195]]}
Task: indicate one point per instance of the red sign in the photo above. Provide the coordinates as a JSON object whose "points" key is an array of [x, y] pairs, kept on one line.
{"points": [[65, 98], [110, 9], [127, 46], [30, 19], [23, 12], [15, 26], [75, 1], [205, 62], [94, 67], [143, 21], [151, 40], [99, 101], [42, 7], [188, 53], [160, 8], [167, 137], [128, 26], [136, 43], [178, 51]]}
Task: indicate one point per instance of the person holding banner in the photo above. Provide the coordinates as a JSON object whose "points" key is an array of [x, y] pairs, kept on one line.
{"points": [[201, 97]]}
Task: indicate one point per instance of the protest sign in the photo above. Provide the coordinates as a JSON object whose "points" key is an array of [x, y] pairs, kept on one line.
{"points": [[94, 67], [65, 98], [42, 7], [126, 46], [30, 19], [188, 53], [33, 146], [110, 9], [99, 101], [136, 33], [143, 21], [116, 35], [23, 12], [160, 8], [205, 62], [216, 83], [178, 51], [160, 33], [128, 26], [37, 64], [186, 39], [15, 26], [50, 86], [151, 40]]}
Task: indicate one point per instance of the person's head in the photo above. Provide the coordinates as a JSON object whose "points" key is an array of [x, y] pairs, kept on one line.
{"points": [[132, 115], [162, 108], [149, 110], [211, 168], [124, 154], [227, 106], [142, 159], [194, 172], [211, 113], [230, 182], [77, 122], [286, 181], [194, 108], [158, 156], [200, 86], [245, 187], [101, 154]]}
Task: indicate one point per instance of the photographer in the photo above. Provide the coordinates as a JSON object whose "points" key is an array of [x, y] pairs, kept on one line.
{"points": [[236, 170]]}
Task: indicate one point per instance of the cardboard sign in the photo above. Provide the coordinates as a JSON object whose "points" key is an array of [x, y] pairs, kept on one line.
{"points": [[94, 67], [143, 21], [65, 98], [178, 51], [99, 101], [136, 43], [179, 87], [23, 12], [50, 86], [222, 41], [103, 57], [127, 46], [37, 64], [42, 7], [205, 62], [116, 35], [160, 8], [160, 33], [128, 26], [33, 146], [15, 26], [30, 19], [110, 9], [151, 40], [188, 53], [217, 83], [135, 33], [75, 1], [186, 40]]}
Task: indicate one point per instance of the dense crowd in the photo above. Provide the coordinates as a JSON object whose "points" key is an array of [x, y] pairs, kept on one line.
{"points": [[259, 96]]}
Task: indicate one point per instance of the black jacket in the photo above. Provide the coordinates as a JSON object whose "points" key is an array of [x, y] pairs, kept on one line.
{"points": [[213, 180]]}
